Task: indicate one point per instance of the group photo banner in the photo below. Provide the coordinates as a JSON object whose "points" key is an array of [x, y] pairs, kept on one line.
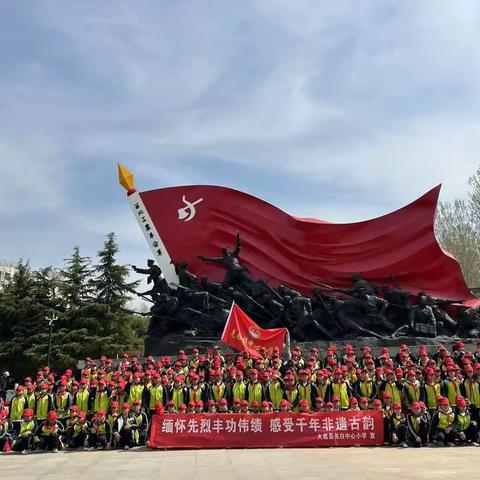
{"points": [[267, 430]]}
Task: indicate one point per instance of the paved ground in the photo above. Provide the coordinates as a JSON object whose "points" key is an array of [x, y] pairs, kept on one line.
{"points": [[268, 464]]}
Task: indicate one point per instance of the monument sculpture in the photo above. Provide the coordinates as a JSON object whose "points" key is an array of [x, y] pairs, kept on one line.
{"points": [[291, 272]]}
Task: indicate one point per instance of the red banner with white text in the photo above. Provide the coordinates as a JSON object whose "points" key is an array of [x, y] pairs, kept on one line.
{"points": [[267, 430]]}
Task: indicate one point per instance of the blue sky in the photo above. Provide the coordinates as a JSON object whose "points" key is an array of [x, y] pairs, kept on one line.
{"points": [[341, 110]]}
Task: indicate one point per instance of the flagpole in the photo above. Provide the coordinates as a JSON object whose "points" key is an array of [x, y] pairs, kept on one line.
{"points": [[228, 319], [287, 345]]}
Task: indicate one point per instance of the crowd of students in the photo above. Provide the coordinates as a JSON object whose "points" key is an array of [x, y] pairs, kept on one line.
{"points": [[425, 397]]}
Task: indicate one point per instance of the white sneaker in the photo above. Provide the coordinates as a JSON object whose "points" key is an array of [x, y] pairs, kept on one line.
{"points": [[475, 444], [55, 450], [126, 447], [25, 452]]}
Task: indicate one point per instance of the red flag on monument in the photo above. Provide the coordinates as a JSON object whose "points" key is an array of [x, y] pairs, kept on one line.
{"points": [[243, 334]]}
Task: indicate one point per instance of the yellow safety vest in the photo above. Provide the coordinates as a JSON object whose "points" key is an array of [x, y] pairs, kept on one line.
{"points": [[239, 390], [100, 428], [48, 430], [414, 391], [276, 394], [254, 393], [445, 420], [393, 390], [136, 392], [31, 401], [292, 397], [464, 420], [366, 389], [82, 400], [177, 397], [218, 391], [397, 421], [42, 407], [195, 394], [321, 391], [305, 392], [453, 390], [100, 402], [156, 396], [79, 428], [16, 408], [431, 394], [61, 405], [472, 392], [26, 427], [340, 391]]}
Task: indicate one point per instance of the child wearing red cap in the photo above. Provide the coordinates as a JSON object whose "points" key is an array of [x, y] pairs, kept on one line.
{"points": [[319, 405], [17, 405], [100, 435], [467, 427], [122, 428], [218, 388], [291, 391], [398, 427], [191, 407], [44, 403], [199, 406], [340, 389], [451, 386], [24, 441], [178, 393], [236, 405], [141, 425], [442, 423], [470, 389], [274, 390], [285, 406], [304, 406], [5, 437], [412, 391], [47, 436], [62, 401], [255, 390], [417, 426], [78, 435], [363, 403], [244, 407], [82, 397], [365, 386]]}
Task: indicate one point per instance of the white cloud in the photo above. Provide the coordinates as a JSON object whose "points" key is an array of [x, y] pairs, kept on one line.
{"points": [[377, 99], [32, 176]]}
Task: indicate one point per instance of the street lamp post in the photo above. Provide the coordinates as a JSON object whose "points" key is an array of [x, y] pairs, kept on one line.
{"points": [[51, 323]]}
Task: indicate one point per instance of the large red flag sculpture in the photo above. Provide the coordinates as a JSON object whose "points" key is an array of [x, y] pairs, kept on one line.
{"points": [[398, 249], [243, 334]]}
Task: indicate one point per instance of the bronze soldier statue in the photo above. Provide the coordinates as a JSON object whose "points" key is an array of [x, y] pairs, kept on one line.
{"points": [[421, 318], [155, 276], [237, 276]]}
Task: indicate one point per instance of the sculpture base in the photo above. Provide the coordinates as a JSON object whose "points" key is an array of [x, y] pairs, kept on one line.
{"points": [[170, 344]]}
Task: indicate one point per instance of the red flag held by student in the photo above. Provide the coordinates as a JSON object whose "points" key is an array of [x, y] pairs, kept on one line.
{"points": [[243, 334]]}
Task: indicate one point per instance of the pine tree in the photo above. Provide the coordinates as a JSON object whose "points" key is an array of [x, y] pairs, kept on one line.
{"points": [[111, 282], [76, 287], [22, 282], [91, 317], [46, 285]]}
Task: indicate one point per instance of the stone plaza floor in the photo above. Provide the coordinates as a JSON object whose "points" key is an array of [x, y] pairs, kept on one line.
{"points": [[362, 463]]}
